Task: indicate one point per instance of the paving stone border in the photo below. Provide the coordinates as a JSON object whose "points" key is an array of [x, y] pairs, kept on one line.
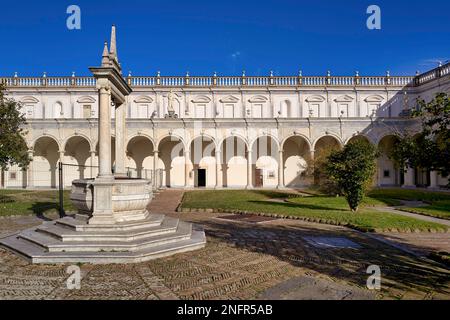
{"points": [[309, 219], [419, 213]]}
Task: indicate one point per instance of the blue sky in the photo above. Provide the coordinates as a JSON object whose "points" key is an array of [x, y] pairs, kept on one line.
{"points": [[226, 36]]}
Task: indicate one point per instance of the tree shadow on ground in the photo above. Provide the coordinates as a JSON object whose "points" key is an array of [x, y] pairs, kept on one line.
{"points": [[40, 208], [6, 199], [273, 194], [400, 271]]}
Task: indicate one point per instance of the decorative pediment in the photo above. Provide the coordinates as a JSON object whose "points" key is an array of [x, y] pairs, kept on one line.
{"points": [[315, 98], [201, 99], [257, 99], [86, 99], [29, 100], [344, 98], [143, 99], [374, 98], [229, 99]]}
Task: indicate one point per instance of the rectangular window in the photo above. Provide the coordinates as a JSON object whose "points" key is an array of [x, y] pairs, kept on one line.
{"points": [[29, 108], [257, 111], [386, 173], [87, 113], [373, 109], [228, 110], [143, 111], [343, 110], [12, 176], [314, 110], [200, 110]]}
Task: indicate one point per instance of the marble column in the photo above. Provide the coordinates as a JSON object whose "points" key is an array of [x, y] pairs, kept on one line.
{"points": [[409, 178], [249, 170], [6, 178], [155, 168], [187, 156], [104, 133], [433, 180], [312, 179], [120, 131], [280, 169], [92, 164], [218, 165], [30, 176]]}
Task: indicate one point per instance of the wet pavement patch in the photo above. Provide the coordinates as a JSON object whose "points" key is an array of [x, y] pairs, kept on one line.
{"points": [[332, 242], [251, 218]]}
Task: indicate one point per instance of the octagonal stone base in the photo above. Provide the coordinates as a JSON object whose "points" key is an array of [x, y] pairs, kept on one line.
{"points": [[112, 225]]}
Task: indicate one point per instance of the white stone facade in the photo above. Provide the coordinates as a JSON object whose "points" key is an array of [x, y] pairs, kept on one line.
{"points": [[227, 131]]}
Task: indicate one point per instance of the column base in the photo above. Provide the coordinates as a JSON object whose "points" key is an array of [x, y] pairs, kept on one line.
{"points": [[408, 187]]}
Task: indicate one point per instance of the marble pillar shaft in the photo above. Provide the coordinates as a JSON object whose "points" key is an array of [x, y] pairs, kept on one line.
{"points": [[104, 133], [120, 130]]}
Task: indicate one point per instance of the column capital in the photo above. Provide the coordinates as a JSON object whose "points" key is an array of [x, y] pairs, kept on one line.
{"points": [[103, 86]]}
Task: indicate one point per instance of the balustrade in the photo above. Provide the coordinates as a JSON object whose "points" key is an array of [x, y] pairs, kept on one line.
{"points": [[236, 81]]}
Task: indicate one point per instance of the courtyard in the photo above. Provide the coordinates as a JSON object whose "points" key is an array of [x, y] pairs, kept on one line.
{"points": [[323, 255]]}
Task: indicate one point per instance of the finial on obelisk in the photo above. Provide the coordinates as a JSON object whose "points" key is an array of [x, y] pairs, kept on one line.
{"points": [[105, 55]]}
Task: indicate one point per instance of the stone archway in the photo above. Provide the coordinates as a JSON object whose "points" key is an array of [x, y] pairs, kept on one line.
{"points": [[76, 160], [322, 149], [234, 162], [45, 161], [203, 162], [172, 161], [265, 162], [388, 172], [140, 157], [296, 161], [358, 137]]}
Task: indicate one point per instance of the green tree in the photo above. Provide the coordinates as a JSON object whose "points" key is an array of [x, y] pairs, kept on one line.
{"points": [[13, 149], [430, 148], [352, 169]]}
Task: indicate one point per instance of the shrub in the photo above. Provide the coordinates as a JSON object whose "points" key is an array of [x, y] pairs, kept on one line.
{"points": [[352, 170]]}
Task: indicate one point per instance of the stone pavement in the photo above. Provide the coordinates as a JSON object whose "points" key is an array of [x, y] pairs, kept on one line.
{"points": [[241, 261]]}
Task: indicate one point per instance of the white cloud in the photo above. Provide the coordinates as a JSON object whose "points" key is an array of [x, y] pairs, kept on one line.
{"points": [[235, 54]]}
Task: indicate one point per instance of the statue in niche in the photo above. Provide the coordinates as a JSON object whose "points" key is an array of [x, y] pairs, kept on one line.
{"points": [[170, 109]]}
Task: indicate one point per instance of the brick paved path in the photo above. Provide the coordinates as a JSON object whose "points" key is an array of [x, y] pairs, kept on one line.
{"points": [[166, 201], [241, 261]]}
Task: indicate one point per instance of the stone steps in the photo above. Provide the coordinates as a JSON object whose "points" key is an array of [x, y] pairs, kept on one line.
{"points": [[37, 254], [68, 241], [153, 220], [51, 244], [63, 233]]}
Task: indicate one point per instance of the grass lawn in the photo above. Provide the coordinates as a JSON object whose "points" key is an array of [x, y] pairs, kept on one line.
{"points": [[333, 210], [438, 202], [18, 202]]}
